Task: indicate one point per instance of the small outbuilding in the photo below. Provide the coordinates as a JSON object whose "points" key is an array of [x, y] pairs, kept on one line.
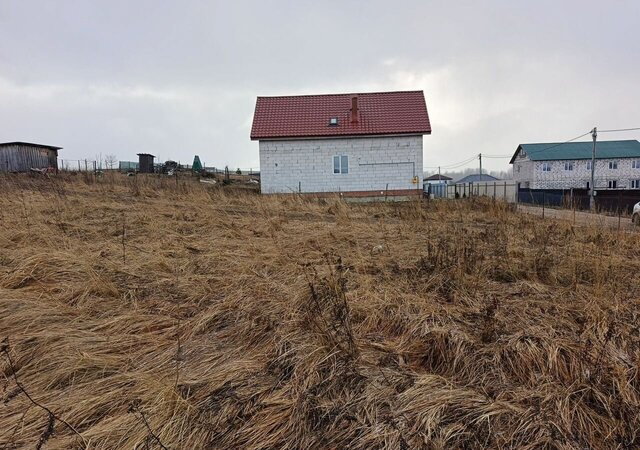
{"points": [[24, 156], [145, 162]]}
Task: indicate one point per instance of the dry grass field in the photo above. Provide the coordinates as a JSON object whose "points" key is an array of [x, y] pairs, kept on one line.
{"points": [[145, 313]]}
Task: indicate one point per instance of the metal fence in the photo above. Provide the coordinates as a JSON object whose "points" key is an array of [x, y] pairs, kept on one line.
{"points": [[80, 165], [498, 190], [606, 200]]}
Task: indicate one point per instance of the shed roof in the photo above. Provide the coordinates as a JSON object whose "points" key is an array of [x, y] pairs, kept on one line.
{"points": [[306, 116], [29, 144], [437, 177], [579, 150]]}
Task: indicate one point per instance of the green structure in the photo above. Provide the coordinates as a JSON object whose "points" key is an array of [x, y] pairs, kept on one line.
{"points": [[197, 165]]}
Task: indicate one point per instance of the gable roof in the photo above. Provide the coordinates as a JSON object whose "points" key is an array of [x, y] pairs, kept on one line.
{"points": [[28, 144], [307, 116], [476, 177], [437, 177], [579, 150]]}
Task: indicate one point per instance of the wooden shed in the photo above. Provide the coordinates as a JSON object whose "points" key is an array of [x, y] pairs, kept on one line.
{"points": [[23, 156], [145, 162]]}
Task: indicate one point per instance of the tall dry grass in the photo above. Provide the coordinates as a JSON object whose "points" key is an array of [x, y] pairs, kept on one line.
{"points": [[147, 313]]}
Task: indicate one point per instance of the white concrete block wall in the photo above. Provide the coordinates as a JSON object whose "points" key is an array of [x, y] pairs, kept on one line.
{"points": [[559, 178], [307, 164]]}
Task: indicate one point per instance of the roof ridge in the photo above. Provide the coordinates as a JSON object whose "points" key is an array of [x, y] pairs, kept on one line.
{"points": [[342, 94], [579, 142]]}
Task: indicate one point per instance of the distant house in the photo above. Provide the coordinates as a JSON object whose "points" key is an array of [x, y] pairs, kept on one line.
{"points": [[568, 165], [23, 156], [478, 178], [360, 145]]}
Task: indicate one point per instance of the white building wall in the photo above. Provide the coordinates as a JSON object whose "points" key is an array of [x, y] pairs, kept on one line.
{"points": [[558, 178], [306, 165]]}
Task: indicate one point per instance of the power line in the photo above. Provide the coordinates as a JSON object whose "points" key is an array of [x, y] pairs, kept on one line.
{"points": [[473, 158], [559, 144], [454, 165], [620, 129], [460, 164]]}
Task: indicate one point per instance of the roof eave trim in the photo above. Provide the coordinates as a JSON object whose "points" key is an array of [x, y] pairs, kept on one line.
{"points": [[339, 136], [513, 158]]}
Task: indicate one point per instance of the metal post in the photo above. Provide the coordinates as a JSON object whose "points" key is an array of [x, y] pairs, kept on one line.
{"points": [[543, 204], [619, 209], [480, 160], [592, 199]]}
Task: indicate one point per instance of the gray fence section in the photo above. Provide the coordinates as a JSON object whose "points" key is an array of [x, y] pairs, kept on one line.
{"points": [[498, 190]]}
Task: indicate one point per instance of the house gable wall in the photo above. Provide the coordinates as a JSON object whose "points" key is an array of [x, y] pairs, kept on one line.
{"points": [[375, 164]]}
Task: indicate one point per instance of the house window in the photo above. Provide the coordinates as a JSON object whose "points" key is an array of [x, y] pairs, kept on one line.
{"points": [[568, 165], [341, 164], [612, 184], [613, 165], [546, 167], [333, 122], [635, 164], [588, 165], [635, 184]]}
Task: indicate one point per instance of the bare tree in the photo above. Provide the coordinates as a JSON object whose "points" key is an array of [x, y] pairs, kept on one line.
{"points": [[110, 161]]}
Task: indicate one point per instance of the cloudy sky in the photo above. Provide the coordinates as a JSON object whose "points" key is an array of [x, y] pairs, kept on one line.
{"points": [[178, 78]]}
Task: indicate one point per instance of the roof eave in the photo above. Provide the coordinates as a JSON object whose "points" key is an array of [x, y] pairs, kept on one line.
{"points": [[338, 136], [513, 158]]}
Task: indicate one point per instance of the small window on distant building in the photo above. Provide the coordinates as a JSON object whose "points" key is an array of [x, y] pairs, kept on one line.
{"points": [[635, 184], [568, 165], [341, 164], [333, 122], [546, 167], [612, 184], [635, 164], [588, 165], [613, 165]]}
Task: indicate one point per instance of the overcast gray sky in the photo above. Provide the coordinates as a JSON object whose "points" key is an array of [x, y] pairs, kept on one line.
{"points": [[178, 78]]}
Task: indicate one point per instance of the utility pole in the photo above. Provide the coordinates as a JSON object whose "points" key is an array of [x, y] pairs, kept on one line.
{"points": [[439, 173], [592, 198], [480, 159]]}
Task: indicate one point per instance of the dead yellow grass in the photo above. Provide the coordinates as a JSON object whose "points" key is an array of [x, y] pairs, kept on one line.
{"points": [[223, 319]]}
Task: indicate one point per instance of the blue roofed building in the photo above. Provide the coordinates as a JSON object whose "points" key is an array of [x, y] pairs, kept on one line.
{"points": [[478, 178], [568, 165]]}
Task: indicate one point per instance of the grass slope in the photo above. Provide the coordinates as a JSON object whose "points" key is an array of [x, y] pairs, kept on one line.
{"points": [[152, 314]]}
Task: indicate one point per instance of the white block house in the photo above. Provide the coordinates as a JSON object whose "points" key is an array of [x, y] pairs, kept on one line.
{"points": [[568, 165], [358, 145]]}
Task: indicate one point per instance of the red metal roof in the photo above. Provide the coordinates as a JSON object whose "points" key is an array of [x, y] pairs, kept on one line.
{"points": [[309, 115]]}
